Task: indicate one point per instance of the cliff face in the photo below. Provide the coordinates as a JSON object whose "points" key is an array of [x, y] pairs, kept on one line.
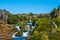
{"points": [[6, 31]]}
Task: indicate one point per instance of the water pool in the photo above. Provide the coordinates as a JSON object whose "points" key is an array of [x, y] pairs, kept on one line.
{"points": [[19, 38]]}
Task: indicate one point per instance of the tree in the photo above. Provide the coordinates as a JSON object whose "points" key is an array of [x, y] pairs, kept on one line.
{"points": [[22, 27], [54, 13], [12, 19], [33, 23], [30, 14]]}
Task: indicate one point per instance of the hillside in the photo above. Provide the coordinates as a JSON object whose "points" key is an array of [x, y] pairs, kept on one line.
{"points": [[6, 31]]}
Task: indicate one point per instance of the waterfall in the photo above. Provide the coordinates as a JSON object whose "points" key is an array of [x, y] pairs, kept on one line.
{"points": [[28, 27], [18, 28], [30, 19], [25, 34], [13, 36], [55, 24]]}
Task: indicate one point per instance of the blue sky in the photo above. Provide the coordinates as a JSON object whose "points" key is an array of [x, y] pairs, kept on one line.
{"points": [[26, 6]]}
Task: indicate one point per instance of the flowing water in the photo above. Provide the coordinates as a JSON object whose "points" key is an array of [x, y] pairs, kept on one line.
{"points": [[25, 34], [55, 24], [19, 38], [23, 37]]}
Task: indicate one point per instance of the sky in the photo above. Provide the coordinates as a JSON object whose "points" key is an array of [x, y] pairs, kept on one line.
{"points": [[26, 6]]}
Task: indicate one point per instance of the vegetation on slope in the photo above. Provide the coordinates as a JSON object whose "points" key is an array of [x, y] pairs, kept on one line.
{"points": [[45, 29]]}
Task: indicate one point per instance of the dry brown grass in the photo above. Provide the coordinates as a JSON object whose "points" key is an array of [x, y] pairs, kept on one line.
{"points": [[6, 30]]}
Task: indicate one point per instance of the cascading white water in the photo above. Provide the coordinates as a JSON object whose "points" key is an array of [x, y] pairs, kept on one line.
{"points": [[28, 27], [30, 19], [18, 28], [55, 24], [13, 36], [25, 34]]}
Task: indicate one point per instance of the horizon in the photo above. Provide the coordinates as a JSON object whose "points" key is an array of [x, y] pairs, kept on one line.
{"points": [[26, 6]]}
